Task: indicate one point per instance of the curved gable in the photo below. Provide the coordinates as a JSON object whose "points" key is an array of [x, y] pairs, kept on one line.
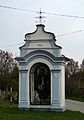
{"points": [[40, 33]]}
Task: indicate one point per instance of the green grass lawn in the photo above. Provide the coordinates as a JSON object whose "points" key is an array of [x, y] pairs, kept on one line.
{"points": [[13, 113]]}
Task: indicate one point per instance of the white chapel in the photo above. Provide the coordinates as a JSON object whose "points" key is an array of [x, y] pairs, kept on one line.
{"points": [[41, 72]]}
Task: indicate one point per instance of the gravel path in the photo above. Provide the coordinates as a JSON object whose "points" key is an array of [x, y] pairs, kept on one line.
{"points": [[74, 105]]}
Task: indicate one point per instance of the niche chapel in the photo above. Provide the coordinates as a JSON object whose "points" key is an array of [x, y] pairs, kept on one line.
{"points": [[41, 72]]}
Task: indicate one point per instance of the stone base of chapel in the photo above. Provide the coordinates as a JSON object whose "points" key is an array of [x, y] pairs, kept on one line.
{"points": [[25, 106]]}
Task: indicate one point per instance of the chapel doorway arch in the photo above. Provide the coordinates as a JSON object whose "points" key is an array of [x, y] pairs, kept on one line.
{"points": [[40, 90]]}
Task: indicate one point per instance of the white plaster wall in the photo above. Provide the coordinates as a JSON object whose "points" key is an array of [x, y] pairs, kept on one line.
{"points": [[55, 89], [23, 52], [23, 89], [40, 44], [39, 60], [55, 52], [40, 40], [23, 67], [56, 85], [39, 34], [62, 87], [30, 50]]}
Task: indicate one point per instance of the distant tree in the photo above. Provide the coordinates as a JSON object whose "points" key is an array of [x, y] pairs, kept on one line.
{"points": [[7, 64], [75, 81], [15, 78], [71, 69], [82, 66]]}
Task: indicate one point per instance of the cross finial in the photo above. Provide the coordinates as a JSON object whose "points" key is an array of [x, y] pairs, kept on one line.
{"points": [[40, 17]]}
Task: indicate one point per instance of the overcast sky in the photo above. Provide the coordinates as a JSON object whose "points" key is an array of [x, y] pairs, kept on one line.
{"points": [[14, 24]]}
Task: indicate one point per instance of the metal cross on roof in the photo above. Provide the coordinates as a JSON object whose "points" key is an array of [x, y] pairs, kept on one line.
{"points": [[40, 17]]}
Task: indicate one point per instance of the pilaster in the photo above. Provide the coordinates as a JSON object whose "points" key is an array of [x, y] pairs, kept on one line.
{"points": [[23, 89]]}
